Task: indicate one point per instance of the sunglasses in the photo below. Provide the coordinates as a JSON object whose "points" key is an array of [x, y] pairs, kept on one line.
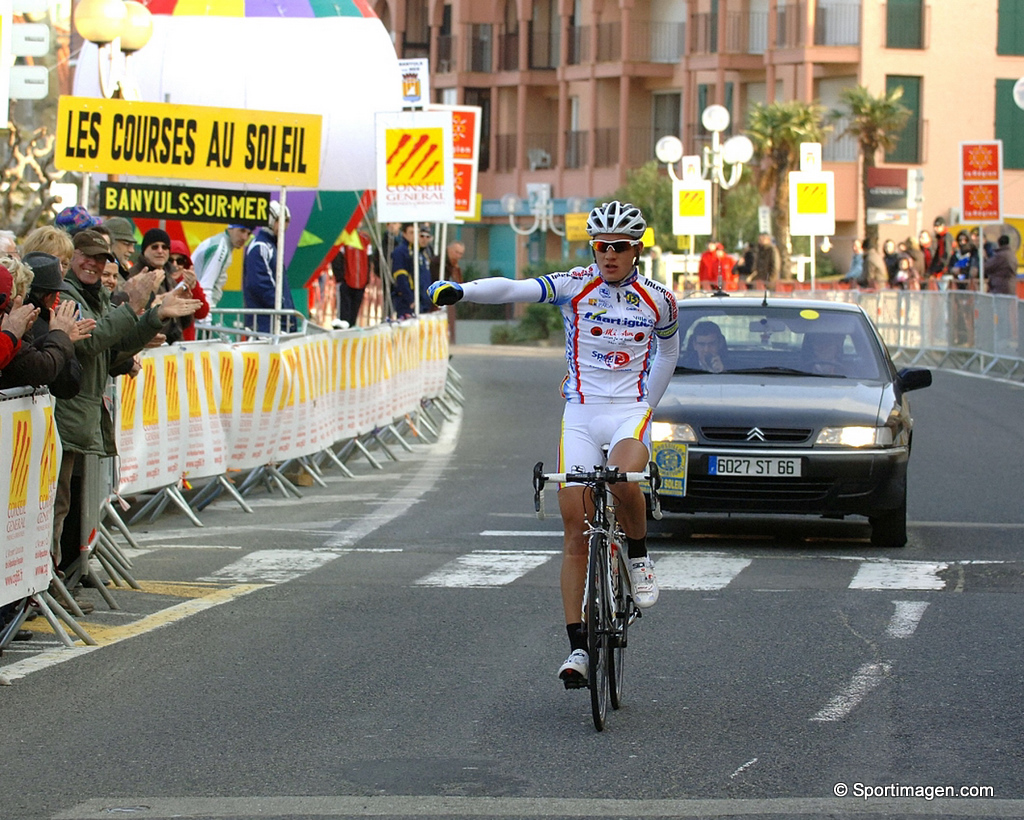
{"points": [[179, 260], [159, 246], [619, 246]]}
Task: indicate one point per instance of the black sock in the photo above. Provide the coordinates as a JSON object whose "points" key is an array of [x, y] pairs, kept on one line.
{"points": [[577, 637], [636, 547]]}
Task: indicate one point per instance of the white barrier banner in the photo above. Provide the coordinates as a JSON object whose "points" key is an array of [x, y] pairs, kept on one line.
{"points": [[200, 408], [28, 480]]}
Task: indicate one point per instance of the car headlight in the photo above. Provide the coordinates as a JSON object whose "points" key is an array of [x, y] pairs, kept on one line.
{"points": [[663, 431], [855, 437]]}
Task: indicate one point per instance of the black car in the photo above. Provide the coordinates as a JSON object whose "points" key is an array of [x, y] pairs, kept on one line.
{"points": [[786, 406]]}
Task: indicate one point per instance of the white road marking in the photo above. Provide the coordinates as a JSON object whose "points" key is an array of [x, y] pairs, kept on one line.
{"points": [[887, 574], [422, 805], [743, 768], [698, 570], [520, 533], [869, 676], [272, 566], [486, 568], [905, 619]]}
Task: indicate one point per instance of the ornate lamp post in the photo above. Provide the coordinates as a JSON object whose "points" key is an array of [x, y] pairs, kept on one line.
{"points": [[542, 209], [119, 28], [735, 152]]}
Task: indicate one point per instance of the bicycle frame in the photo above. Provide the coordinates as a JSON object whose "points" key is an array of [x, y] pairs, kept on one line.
{"points": [[608, 608]]}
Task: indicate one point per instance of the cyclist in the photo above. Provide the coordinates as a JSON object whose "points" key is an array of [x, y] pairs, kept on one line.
{"points": [[616, 375]]}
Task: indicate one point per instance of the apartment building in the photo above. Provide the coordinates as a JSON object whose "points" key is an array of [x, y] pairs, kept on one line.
{"points": [[575, 93]]}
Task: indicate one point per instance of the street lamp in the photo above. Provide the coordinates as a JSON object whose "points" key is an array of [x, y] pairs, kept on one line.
{"points": [[119, 28], [542, 208], [735, 152]]}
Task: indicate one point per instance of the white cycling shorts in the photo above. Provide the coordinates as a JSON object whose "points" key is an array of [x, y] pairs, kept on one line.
{"points": [[588, 427]]}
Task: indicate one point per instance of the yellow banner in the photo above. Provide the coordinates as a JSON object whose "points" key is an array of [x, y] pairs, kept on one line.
{"points": [[188, 142]]}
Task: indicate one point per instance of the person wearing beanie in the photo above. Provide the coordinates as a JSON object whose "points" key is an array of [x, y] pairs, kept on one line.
{"points": [[213, 258], [155, 255], [75, 219]]}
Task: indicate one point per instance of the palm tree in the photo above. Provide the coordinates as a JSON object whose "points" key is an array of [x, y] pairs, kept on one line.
{"points": [[876, 123], [777, 129]]}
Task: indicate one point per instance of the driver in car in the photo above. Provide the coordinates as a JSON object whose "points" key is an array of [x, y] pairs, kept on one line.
{"points": [[707, 348], [824, 353]]}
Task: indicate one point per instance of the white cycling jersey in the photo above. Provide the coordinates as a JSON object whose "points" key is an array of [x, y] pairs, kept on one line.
{"points": [[610, 330]]}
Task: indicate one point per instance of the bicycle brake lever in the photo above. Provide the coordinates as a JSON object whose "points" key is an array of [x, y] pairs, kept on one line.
{"points": [[538, 489], [654, 481]]}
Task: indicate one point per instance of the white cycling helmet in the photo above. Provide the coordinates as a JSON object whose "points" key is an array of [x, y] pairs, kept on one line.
{"points": [[617, 217]]}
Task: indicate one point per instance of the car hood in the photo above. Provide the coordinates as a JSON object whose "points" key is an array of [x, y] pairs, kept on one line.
{"points": [[775, 401]]}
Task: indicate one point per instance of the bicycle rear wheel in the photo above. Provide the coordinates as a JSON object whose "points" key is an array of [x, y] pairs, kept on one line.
{"points": [[598, 628], [619, 627]]}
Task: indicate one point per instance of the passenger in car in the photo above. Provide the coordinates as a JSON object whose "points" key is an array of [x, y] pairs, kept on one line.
{"points": [[823, 353], [707, 349]]}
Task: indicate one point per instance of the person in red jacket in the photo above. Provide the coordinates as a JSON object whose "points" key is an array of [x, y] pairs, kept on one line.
{"points": [[715, 267], [17, 318], [182, 270]]}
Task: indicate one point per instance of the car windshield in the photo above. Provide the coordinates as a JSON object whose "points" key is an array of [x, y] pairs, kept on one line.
{"points": [[783, 340]]}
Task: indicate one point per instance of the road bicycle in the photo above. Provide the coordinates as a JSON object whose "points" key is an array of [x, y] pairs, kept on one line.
{"points": [[608, 606]]}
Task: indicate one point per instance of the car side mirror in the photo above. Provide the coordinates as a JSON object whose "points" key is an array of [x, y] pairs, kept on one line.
{"points": [[914, 378]]}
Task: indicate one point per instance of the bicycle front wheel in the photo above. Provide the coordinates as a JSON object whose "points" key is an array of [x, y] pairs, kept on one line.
{"points": [[598, 627], [621, 603]]}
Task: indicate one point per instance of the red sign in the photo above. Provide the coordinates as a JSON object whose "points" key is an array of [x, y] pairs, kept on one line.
{"points": [[981, 181], [980, 160]]}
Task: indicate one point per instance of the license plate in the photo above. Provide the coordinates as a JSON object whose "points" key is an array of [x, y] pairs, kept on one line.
{"points": [[671, 457], [754, 467]]}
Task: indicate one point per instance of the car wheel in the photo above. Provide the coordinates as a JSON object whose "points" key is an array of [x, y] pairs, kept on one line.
{"points": [[889, 528]]}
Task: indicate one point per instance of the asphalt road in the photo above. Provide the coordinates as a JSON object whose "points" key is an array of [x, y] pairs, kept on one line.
{"points": [[387, 647]]}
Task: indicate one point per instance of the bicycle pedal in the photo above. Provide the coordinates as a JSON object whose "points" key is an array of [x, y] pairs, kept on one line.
{"points": [[574, 680]]}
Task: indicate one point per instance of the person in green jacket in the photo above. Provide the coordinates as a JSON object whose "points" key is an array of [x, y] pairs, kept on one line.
{"points": [[84, 422]]}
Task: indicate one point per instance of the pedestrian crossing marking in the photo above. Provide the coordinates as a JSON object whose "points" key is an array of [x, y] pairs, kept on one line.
{"points": [[883, 573], [486, 568], [272, 566], [695, 571]]}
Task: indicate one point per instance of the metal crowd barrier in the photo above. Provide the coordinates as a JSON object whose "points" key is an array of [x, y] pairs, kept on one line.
{"points": [[947, 329]]}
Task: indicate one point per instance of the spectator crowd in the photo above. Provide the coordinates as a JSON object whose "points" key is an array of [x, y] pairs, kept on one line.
{"points": [[79, 300]]}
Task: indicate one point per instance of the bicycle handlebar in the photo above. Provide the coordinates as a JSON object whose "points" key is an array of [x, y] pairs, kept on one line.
{"points": [[606, 475]]}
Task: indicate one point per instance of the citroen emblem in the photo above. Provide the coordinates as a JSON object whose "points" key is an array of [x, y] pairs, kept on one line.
{"points": [[755, 435]]}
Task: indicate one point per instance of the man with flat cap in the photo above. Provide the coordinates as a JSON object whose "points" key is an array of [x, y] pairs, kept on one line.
{"points": [[47, 354], [122, 243], [84, 423]]}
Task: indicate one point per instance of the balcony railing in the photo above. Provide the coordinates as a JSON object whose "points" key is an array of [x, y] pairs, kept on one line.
{"points": [[639, 148], [446, 54], [657, 42], [543, 47], [757, 33], [480, 48], [575, 149], [609, 42], [508, 51], [541, 149], [579, 45], [837, 24], [789, 26], [839, 146], [704, 33], [606, 147]]}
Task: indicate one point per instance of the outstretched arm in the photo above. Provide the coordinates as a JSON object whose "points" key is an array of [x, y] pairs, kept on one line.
{"points": [[496, 290]]}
